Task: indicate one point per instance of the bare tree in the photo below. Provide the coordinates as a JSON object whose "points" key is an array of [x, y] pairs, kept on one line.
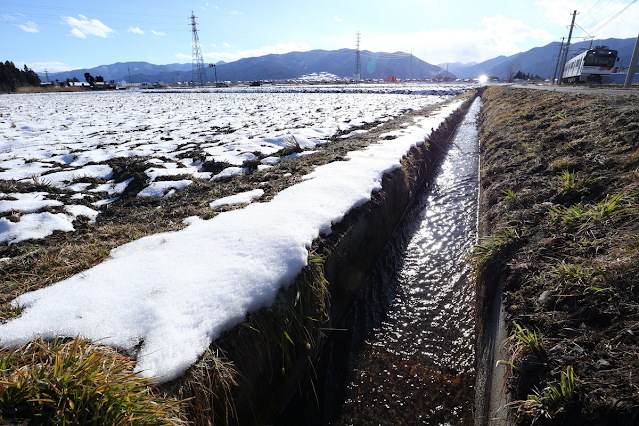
{"points": [[511, 70]]}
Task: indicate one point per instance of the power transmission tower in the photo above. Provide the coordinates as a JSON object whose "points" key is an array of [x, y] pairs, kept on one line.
{"points": [[130, 81], [198, 72], [561, 47], [563, 62], [47, 74], [357, 74]]}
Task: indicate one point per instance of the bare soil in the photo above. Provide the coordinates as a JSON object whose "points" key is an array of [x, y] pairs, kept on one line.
{"points": [[559, 201]]}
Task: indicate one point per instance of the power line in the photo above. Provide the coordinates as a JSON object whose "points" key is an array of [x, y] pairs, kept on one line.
{"points": [[598, 13], [611, 19], [593, 6], [629, 19]]}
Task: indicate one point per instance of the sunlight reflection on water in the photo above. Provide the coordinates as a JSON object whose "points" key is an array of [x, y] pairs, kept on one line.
{"points": [[417, 366]]}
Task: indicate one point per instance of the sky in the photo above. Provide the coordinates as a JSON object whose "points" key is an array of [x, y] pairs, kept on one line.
{"points": [[60, 36]]}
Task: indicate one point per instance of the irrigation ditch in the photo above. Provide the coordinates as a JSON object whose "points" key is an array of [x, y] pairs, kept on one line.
{"points": [[281, 380]]}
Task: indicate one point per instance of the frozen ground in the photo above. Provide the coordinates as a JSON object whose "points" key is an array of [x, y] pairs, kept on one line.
{"points": [[67, 140], [174, 293]]}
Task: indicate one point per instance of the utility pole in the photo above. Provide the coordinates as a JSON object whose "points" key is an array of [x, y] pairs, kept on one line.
{"points": [[563, 62], [410, 67], [130, 81], [561, 47], [215, 69], [198, 72], [357, 74], [633, 65]]}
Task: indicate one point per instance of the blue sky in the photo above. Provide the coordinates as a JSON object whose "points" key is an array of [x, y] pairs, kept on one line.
{"points": [[70, 34]]}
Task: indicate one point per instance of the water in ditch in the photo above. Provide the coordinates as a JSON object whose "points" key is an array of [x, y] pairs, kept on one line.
{"points": [[416, 364]]}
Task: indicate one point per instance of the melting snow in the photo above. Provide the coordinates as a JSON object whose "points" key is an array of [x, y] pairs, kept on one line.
{"points": [[174, 293]]}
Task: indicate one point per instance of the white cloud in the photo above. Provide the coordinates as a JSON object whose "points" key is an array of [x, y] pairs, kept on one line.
{"points": [[135, 30], [337, 19], [8, 17], [235, 12], [29, 27], [158, 33], [183, 56], [496, 36], [49, 66], [213, 44], [266, 50], [83, 27], [226, 44]]}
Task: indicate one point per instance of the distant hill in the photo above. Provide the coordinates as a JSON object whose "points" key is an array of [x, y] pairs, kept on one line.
{"points": [[272, 67], [543, 60], [454, 66], [119, 71]]}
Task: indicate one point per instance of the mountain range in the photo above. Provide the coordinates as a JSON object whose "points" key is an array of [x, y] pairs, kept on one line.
{"points": [[536, 61], [271, 67], [542, 60]]}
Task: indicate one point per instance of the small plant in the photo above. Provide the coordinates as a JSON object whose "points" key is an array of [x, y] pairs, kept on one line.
{"points": [[532, 339], [561, 115], [489, 248], [539, 403], [509, 196], [577, 274], [576, 215], [291, 145], [567, 181]]}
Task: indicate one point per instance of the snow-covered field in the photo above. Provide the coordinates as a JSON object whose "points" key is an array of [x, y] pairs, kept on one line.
{"points": [[60, 138], [176, 292]]}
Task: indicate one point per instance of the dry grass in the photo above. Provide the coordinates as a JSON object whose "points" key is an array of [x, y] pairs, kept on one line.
{"points": [[77, 383]]}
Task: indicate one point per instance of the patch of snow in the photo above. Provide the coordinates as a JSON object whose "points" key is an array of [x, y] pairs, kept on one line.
{"points": [[243, 198], [157, 189], [33, 226], [230, 171], [112, 188], [76, 210], [27, 203]]}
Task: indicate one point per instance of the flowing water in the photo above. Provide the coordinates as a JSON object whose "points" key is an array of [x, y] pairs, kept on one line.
{"points": [[416, 364]]}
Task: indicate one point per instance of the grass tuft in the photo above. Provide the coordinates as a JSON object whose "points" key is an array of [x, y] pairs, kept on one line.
{"points": [[488, 248], [76, 383], [581, 216]]}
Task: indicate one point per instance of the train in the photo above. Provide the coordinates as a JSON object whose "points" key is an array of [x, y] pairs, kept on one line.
{"points": [[590, 65]]}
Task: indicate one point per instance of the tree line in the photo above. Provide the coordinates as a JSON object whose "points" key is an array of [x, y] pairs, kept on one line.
{"points": [[523, 76], [11, 77]]}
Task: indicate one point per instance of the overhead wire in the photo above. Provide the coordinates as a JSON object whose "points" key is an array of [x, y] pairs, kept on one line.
{"points": [[628, 19], [614, 17], [593, 6], [598, 12]]}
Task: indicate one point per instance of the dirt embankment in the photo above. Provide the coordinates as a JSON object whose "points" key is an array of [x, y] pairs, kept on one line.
{"points": [[560, 215]]}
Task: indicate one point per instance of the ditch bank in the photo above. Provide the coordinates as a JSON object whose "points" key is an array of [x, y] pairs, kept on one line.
{"points": [[558, 263], [262, 372]]}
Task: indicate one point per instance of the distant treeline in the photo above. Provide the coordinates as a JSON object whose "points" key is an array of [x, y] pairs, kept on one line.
{"points": [[11, 77]]}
